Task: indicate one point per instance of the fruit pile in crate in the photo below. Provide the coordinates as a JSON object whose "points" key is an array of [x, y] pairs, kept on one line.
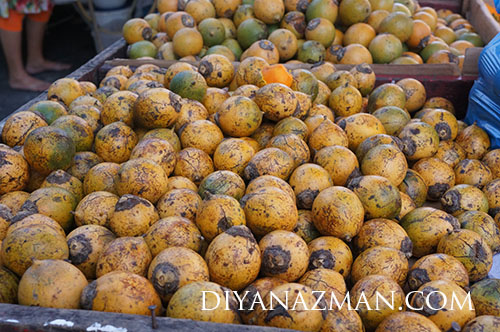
{"points": [[292, 184], [352, 32]]}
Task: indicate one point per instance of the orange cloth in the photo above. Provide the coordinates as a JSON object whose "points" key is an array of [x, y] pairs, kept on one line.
{"points": [[15, 20]]}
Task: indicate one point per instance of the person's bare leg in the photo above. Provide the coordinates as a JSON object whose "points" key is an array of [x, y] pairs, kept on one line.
{"points": [[18, 77], [36, 62]]}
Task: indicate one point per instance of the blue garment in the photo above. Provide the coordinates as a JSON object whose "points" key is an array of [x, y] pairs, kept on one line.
{"points": [[497, 5], [484, 97]]}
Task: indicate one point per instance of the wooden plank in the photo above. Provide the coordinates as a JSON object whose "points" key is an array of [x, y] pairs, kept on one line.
{"points": [[16, 318], [471, 61], [482, 20]]}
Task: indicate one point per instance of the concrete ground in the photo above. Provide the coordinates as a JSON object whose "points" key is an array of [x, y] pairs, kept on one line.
{"points": [[67, 39]]}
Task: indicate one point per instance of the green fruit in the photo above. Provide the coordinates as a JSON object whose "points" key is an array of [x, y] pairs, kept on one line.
{"points": [[212, 31], [234, 46], [141, 49], [249, 31], [472, 37], [189, 84], [222, 50], [432, 48], [311, 51], [322, 8], [354, 11], [385, 48], [49, 110], [272, 27], [398, 24]]}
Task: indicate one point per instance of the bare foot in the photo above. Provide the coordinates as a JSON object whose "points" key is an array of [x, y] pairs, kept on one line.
{"points": [[28, 83], [46, 65]]}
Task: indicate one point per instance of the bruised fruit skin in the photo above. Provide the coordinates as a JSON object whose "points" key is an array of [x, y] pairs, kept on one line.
{"points": [[327, 281], [340, 162], [168, 135], [436, 294], [218, 213], [402, 320], [130, 254], [53, 284], [14, 200], [14, 171], [339, 212], [233, 154], [380, 260], [484, 225], [437, 267], [473, 172], [48, 110], [157, 108], [239, 116], [119, 107], [224, 183], [292, 125], [269, 161], [77, 129], [492, 160], [385, 233], [173, 232], [181, 202], [450, 152], [260, 287], [23, 245], [36, 220], [191, 111], [276, 100], [341, 319], [326, 134], [492, 192], [284, 255], [157, 150], [379, 197], [485, 295], [19, 125], [47, 149], [176, 267], [305, 227], [443, 122], [141, 177], [9, 288], [270, 181], [438, 176], [330, 253], [474, 141], [101, 177], [426, 226], [121, 292], [365, 294], [180, 182], [115, 142], [385, 160], [64, 180], [86, 243], [5, 218], [345, 100], [420, 140], [298, 317], [360, 126], [307, 181], [268, 209], [462, 198], [188, 302], [470, 249], [482, 323], [136, 29], [65, 90], [133, 216], [82, 163], [193, 164], [414, 186], [250, 72], [233, 258]]}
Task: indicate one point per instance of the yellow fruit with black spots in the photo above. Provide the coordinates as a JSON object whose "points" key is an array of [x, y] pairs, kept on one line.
{"points": [[141, 177], [114, 142], [177, 21], [426, 226], [174, 69], [294, 146], [327, 134], [450, 152], [492, 192], [239, 116], [223, 183], [116, 81], [269, 11], [284, 255], [330, 282], [321, 30], [415, 187], [180, 182], [307, 181], [269, 161], [470, 249], [305, 227], [345, 100], [157, 108], [193, 164], [176, 267], [294, 21], [340, 162], [188, 301], [19, 125], [484, 225], [264, 49], [304, 81], [304, 104], [388, 94], [484, 294], [156, 150], [77, 129], [168, 135], [250, 72], [233, 258], [64, 180], [437, 267], [23, 245], [217, 70], [385, 160], [173, 232], [440, 102], [432, 300], [381, 260], [360, 126], [121, 292], [86, 243], [402, 320], [482, 323], [101, 177], [415, 93], [297, 318], [82, 163], [285, 42], [260, 287], [14, 170], [474, 141], [14, 200], [331, 253], [181, 202], [385, 233], [91, 114], [407, 205], [9, 287], [233, 154], [47, 149], [53, 284], [129, 254], [291, 125], [119, 107], [420, 140], [438, 176], [462, 198], [366, 292], [136, 29], [5, 218], [473, 172], [213, 98], [48, 110], [65, 90], [341, 78], [492, 160], [379, 197], [365, 77], [35, 220], [132, 216], [201, 134], [443, 122], [268, 209], [270, 181], [276, 100], [393, 118], [341, 319]]}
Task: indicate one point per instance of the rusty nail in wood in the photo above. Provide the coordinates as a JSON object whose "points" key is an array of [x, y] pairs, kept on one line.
{"points": [[153, 316]]}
